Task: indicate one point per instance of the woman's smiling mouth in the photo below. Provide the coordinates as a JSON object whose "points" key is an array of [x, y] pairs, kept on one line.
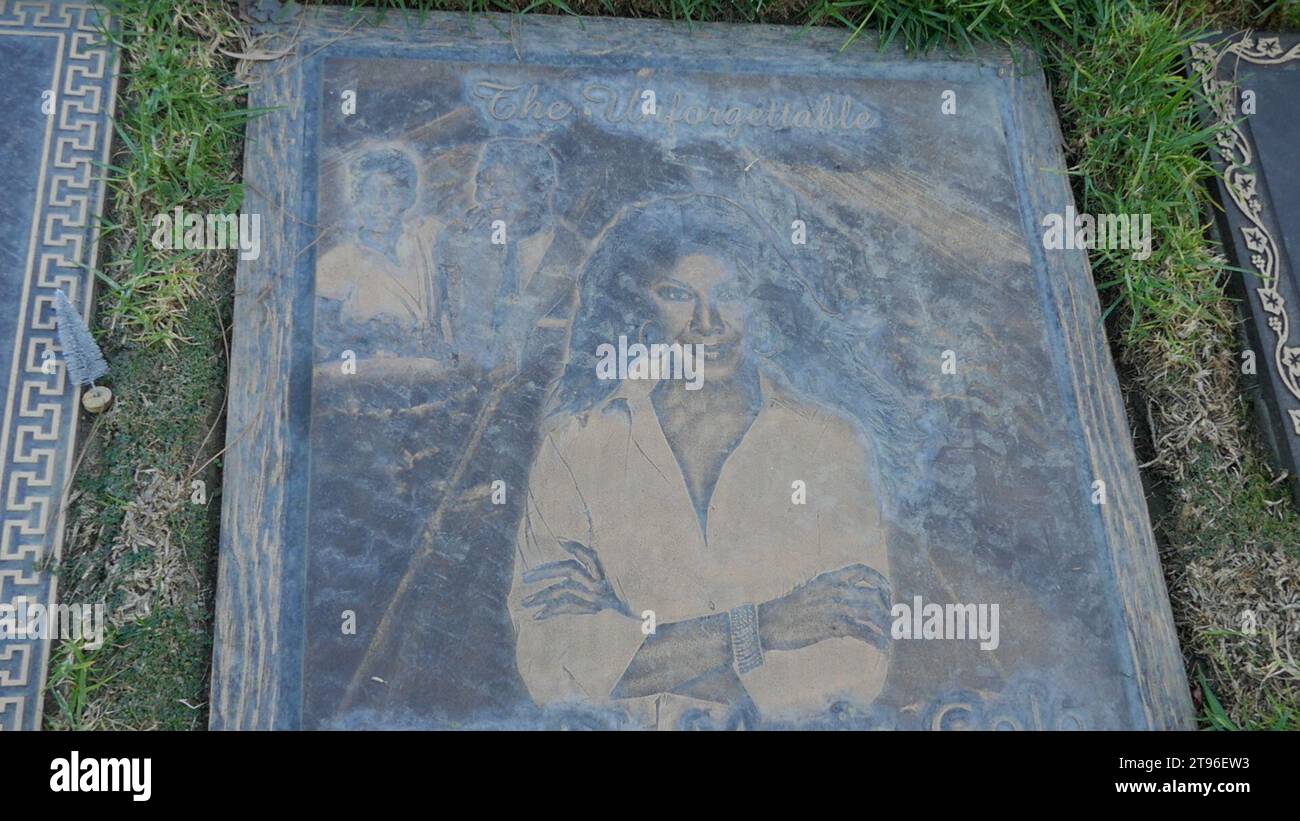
{"points": [[718, 350]]}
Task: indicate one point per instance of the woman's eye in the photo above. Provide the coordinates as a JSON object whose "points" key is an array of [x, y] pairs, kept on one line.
{"points": [[674, 294]]}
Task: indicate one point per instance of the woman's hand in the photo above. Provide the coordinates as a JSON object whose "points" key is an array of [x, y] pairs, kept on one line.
{"points": [[853, 601], [582, 588]]}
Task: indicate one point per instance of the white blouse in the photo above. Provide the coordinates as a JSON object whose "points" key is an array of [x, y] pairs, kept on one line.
{"points": [[609, 480]]}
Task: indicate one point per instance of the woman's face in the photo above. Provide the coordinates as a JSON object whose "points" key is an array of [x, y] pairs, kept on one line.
{"points": [[382, 199], [510, 193], [703, 301]]}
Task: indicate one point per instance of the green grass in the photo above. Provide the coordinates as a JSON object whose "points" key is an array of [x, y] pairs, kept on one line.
{"points": [[178, 126], [162, 321], [1246, 509], [1134, 145], [1276, 717], [1138, 148]]}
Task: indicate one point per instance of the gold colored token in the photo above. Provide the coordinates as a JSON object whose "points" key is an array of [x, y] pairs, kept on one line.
{"points": [[97, 399]]}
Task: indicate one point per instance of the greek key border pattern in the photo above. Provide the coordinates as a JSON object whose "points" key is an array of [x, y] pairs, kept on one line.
{"points": [[1238, 154], [39, 416]]}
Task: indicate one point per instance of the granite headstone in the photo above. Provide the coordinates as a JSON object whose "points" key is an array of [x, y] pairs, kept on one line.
{"points": [[1251, 84]]}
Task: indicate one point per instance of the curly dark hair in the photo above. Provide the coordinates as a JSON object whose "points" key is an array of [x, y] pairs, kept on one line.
{"points": [[787, 326], [392, 161], [646, 241]]}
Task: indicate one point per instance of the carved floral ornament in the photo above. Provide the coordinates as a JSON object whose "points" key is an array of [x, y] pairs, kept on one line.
{"points": [[1238, 155]]}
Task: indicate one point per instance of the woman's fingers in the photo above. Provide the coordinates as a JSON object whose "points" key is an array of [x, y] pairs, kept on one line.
{"points": [[564, 569], [862, 596], [851, 573], [862, 606], [867, 576], [566, 604], [857, 574], [867, 632], [882, 591], [581, 588], [862, 578], [585, 555]]}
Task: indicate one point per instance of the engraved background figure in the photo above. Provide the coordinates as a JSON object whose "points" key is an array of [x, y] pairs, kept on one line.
{"points": [[486, 282], [381, 274], [647, 496]]}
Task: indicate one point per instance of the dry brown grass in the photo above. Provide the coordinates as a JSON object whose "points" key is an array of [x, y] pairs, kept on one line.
{"points": [[1229, 535]]}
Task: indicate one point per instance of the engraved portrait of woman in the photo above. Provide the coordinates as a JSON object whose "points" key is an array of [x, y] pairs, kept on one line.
{"points": [[380, 276], [699, 558]]}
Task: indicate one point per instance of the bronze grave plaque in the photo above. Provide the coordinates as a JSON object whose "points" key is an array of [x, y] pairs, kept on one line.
{"points": [[614, 374]]}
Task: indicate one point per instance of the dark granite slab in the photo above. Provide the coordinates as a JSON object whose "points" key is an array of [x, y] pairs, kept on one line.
{"points": [[50, 53], [437, 514], [1251, 85]]}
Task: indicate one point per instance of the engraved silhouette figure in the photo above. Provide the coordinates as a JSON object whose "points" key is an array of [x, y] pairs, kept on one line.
{"points": [[492, 261], [645, 496], [381, 277]]}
